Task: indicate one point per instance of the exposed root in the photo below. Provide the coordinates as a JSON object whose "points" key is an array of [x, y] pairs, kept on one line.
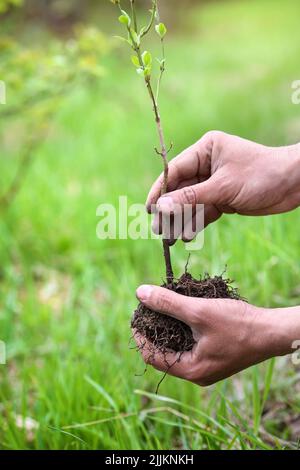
{"points": [[169, 334]]}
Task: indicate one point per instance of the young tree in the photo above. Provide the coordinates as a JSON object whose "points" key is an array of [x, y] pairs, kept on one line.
{"points": [[144, 64]]}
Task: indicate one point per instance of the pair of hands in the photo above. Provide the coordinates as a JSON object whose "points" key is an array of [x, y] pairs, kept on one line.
{"points": [[228, 175]]}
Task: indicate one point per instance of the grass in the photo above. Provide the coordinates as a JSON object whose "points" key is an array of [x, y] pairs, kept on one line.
{"points": [[67, 297]]}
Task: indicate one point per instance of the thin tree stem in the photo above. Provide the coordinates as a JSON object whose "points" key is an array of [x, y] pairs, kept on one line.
{"points": [[162, 69], [134, 15], [164, 187], [163, 149]]}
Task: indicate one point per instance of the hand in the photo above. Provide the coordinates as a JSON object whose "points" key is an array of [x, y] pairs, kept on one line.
{"points": [[230, 335], [229, 174]]}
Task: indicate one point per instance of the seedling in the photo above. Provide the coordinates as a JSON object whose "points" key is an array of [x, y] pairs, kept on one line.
{"points": [[143, 62], [163, 332]]}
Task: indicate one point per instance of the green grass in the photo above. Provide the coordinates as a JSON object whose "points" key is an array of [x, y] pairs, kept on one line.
{"points": [[67, 297]]}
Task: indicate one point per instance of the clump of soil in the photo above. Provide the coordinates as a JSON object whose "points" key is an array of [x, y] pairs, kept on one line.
{"points": [[169, 334]]}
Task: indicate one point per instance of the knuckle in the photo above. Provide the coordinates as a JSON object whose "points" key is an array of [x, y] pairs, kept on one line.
{"points": [[163, 300], [189, 196], [148, 358], [214, 135], [225, 188], [194, 313], [215, 140]]}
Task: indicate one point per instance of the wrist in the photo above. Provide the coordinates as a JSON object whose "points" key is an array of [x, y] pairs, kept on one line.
{"points": [[283, 329], [291, 156]]}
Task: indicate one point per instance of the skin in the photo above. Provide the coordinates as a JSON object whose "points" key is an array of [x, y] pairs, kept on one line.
{"points": [[228, 175]]}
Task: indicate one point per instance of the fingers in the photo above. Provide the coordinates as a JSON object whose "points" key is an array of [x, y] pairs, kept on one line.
{"points": [[188, 227], [168, 302], [174, 363], [207, 192], [204, 215], [192, 163]]}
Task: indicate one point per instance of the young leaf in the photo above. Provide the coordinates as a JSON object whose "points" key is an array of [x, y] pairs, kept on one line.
{"points": [[125, 18], [135, 37], [161, 30], [122, 39], [161, 61], [135, 61], [147, 58], [147, 72]]}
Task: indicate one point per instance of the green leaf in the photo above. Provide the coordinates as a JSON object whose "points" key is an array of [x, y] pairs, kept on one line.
{"points": [[147, 72], [135, 61], [147, 58], [161, 62], [161, 30], [122, 39], [125, 18], [135, 37]]}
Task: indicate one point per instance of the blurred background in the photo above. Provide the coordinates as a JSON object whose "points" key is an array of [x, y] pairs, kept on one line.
{"points": [[77, 130]]}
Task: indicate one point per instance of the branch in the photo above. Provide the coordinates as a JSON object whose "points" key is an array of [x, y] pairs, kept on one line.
{"points": [[162, 69], [150, 24], [133, 13]]}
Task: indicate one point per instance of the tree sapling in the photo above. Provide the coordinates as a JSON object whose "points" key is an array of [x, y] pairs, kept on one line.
{"points": [[163, 332]]}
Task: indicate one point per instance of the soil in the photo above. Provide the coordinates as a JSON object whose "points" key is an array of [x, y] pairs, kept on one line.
{"points": [[168, 334]]}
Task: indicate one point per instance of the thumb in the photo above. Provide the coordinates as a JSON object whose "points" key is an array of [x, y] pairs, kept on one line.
{"points": [[170, 303], [207, 192]]}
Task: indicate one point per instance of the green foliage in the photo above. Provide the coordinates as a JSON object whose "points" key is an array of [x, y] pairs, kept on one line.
{"points": [[6, 4], [161, 30], [37, 79], [143, 61], [34, 74]]}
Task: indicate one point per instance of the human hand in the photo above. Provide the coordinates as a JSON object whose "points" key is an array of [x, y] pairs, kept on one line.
{"points": [[230, 335], [229, 175]]}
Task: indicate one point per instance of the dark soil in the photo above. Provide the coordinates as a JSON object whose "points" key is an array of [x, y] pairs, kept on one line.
{"points": [[167, 333]]}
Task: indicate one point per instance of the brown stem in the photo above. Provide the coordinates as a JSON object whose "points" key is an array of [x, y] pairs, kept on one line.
{"points": [[168, 262], [164, 187]]}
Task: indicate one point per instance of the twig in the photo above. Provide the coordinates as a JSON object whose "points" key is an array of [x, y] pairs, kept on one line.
{"points": [[135, 43]]}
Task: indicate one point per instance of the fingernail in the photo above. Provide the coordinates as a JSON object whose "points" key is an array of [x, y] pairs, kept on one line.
{"points": [[151, 208], [165, 204], [143, 293]]}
